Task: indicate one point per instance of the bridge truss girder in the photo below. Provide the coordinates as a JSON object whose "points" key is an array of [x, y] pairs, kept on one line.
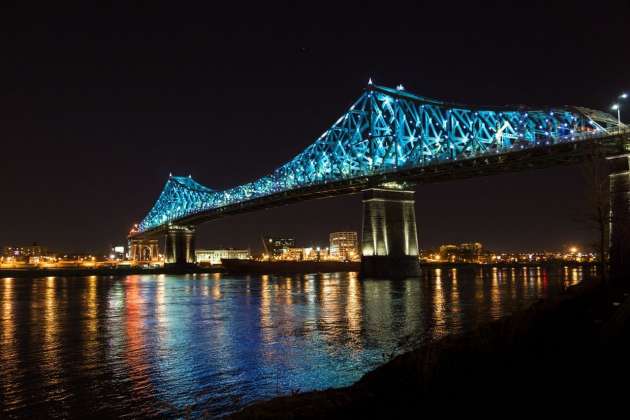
{"points": [[390, 131]]}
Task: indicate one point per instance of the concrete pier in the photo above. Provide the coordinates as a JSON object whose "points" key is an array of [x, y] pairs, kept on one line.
{"points": [[389, 243], [180, 245]]}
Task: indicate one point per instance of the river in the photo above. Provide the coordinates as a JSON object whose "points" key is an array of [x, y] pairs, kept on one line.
{"points": [[207, 344]]}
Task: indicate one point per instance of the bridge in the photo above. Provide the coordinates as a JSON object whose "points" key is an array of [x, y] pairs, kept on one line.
{"points": [[388, 141]]}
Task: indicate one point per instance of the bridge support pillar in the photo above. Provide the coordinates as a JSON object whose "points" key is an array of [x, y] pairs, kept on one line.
{"points": [[620, 218], [180, 245], [389, 244]]}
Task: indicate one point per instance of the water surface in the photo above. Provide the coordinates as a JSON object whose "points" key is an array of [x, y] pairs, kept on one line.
{"points": [[207, 344]]}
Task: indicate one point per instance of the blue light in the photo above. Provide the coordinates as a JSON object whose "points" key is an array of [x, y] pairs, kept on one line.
{"points": [[358, 145]]}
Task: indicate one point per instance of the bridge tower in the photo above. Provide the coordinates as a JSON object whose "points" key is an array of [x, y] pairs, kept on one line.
{"points": [[389, 243], [180, 245], [620, 217]]}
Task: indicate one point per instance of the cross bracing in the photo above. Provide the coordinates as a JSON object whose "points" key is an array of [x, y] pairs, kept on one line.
{"points": [[386, 131]]}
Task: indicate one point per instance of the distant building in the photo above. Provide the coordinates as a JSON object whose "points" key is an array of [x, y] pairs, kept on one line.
{"points": [[214, 256], [24, 253], [463, 253], [344, 246], [117, 253], [276, 247], [470, 252], [316, 254]]}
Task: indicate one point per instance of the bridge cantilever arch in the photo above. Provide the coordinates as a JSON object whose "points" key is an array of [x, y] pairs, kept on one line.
{"points": [[385, 143]]}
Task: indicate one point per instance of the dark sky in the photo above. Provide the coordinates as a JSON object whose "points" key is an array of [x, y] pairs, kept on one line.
{"points": [[98, 105]]}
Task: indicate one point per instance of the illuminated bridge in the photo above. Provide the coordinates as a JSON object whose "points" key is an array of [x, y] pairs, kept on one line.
{"points": [[386, 142]]}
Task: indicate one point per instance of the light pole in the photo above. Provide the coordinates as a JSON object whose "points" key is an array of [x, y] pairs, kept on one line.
{"points": [[617, 107]]}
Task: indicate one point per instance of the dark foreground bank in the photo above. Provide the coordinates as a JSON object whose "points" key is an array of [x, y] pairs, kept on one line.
{"points": [[566, 355]]}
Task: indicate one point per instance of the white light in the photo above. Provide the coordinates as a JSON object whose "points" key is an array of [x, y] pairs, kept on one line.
{"points": [[615, 107], [624, 96]]}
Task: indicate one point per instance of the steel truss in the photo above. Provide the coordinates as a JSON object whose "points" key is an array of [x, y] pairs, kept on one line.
{"points": [[389, 131]]}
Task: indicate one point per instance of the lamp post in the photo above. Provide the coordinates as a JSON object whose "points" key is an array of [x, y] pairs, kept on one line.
{"points": [[617, 107]]}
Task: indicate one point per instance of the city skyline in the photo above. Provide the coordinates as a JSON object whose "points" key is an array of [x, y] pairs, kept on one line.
{"points": [[259, 248]]}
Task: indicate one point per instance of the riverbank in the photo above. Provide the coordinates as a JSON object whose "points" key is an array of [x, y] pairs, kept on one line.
{"points": [[104, 271], [254, 267], [562, 355], [230, 266], [236, 266]]}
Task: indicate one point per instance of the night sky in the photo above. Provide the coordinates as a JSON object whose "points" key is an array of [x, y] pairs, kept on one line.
{"points": [[97, 106]]}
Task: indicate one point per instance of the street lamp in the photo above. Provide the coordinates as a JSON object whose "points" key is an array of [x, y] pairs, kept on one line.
{"points": [[617, 107]]}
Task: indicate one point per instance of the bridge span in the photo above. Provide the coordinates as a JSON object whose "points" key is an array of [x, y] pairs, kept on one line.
{"points": [[388, 141]]}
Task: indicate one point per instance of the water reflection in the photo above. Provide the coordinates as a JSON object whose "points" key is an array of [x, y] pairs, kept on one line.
{"points": [[8, 348], [206, 344], [51, 344]]}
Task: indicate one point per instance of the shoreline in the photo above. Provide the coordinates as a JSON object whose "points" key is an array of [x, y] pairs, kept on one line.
{"points": [[83, 272], [257, 267]]}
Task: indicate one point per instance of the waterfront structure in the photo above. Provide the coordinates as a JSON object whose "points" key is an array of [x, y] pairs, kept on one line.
{"points": [[388, 139], [277, 247], [143, 250], [299, 254], [214, 256], [344, 246], [292, 254], [117, 253], [464, 253], [474, 253], [28, 253], [316, 253]]}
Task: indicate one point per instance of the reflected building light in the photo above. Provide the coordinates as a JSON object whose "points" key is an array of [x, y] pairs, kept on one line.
{"points": [[135, 331], [439, 306], [353, 307], [161, 316], [50, 332], [90, 324], [8, 353], [330, 306], [266, 321], [216, 289], [495, 293], [455, 298], [413, 321], [377, 306], [576, 275], [289, 291]]}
